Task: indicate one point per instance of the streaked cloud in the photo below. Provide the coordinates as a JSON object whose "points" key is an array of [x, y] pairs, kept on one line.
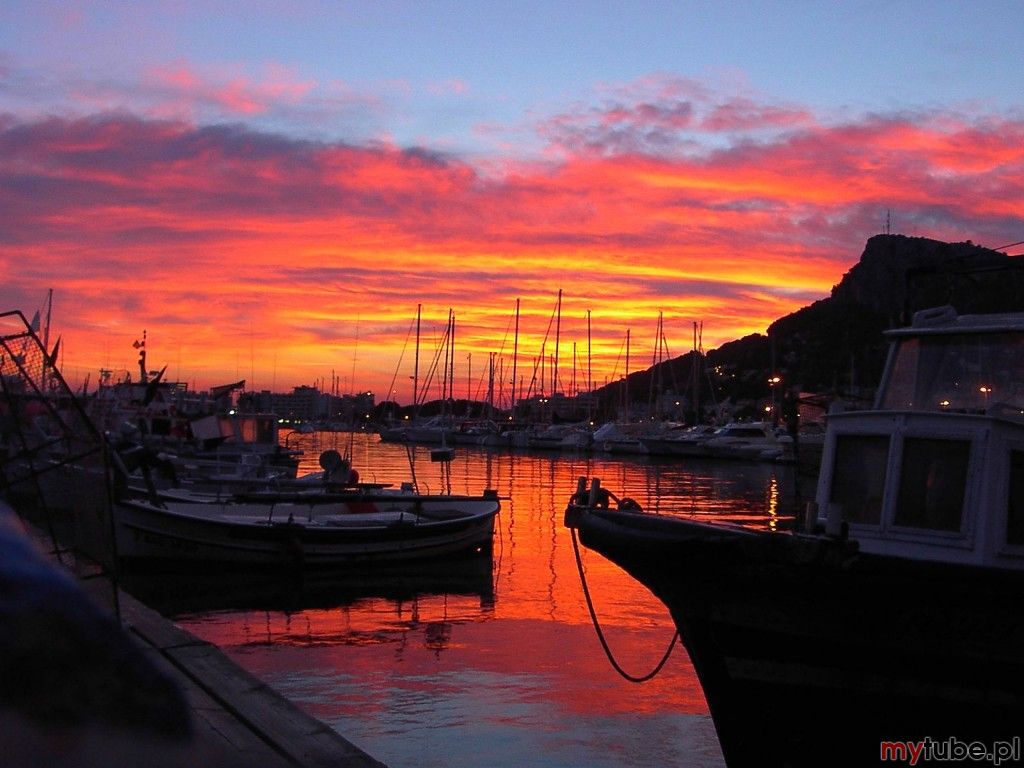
{"points": [[248, 250]]}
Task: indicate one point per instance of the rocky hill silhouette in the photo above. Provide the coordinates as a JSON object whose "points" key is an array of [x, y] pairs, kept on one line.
{"points": [[835, 346]]}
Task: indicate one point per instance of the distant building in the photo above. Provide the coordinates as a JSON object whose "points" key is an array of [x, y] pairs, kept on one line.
{"points": [[305, 403]]}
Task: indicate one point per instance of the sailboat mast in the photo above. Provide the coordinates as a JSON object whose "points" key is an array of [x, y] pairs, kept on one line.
{"points": [[490, 385], [573, 390], [590, 381], [446, 341], [542, 361], [451, 354], [654, 363], [696, 376], [625, 390], [416, 366], [558, 331], [515, 358]]}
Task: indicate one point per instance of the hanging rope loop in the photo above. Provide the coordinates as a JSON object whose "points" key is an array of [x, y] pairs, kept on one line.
{"points": [[600, 635]]}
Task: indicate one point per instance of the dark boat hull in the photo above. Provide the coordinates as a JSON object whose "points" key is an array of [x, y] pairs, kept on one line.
{"points": [[811, 653], [149, 533]]}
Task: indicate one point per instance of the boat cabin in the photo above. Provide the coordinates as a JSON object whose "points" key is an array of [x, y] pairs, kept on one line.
{"points": [[935, 471]]}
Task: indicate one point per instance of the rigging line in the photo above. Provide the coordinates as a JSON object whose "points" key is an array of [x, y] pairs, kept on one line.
{"points": [[394, 378], [600, 635], [440, 347]]}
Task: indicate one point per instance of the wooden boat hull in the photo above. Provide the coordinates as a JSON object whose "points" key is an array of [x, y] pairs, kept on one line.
{"points": [[307, 534], [811, 653]]}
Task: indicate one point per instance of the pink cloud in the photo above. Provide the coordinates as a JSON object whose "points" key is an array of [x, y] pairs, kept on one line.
{"points": [[741, 114], [193, 231], [231, 92], [662, 114]]}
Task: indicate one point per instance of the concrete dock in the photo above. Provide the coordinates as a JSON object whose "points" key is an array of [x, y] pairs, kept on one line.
{"points": [[234, 719], [237, 719]]}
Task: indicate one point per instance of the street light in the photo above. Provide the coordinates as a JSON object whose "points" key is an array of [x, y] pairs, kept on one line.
{"points": [[773, 383]]}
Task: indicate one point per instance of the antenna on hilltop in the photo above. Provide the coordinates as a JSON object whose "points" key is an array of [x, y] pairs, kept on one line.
{"points": [[888, 221]]}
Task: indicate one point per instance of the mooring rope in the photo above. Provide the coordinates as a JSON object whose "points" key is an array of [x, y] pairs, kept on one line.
{"points": [[600, 634]]}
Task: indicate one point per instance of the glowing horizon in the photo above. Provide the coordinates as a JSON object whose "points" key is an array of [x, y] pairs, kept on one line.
{"points": [[273, 224]]}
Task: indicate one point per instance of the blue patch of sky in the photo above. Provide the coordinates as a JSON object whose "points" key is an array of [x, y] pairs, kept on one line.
{"points": [[525, 60]]}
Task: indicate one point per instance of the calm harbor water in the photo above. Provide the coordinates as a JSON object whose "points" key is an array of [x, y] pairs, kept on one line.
{"points": [[497, 663]]}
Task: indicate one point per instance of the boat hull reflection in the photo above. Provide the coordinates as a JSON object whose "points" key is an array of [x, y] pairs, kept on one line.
{"points": [[190, 591]]}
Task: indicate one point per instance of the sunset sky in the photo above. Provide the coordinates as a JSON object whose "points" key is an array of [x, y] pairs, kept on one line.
{"points": [[269, 189]]}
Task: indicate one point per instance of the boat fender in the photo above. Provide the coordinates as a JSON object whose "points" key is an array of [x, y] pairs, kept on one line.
{"points": [[629, 505]]}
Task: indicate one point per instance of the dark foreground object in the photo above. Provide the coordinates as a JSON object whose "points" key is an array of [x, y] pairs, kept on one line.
{"points": [[78, 689], [811, 653]]}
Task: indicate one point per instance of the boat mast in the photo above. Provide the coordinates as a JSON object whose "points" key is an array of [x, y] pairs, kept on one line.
{"points": [[490, 386], [515, 359], [625, 389], [416, 365], [573, 387], [590, 381], [655, 360], [696, 376], [451, 357], [558, 330], [446, 342]]}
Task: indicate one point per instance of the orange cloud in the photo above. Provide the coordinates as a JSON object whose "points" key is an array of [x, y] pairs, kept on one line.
{"points": [[247, 254]]}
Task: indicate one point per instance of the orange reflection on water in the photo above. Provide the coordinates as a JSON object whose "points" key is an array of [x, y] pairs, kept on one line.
{"points": [[514, 638]]}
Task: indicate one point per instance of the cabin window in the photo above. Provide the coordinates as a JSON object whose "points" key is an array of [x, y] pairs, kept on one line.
{"points": [[968, 373], [933, 483], [1015, 513], [858, 478]]}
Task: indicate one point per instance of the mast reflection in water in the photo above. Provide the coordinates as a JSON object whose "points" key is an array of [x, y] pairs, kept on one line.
{"points": [[496, 662]]}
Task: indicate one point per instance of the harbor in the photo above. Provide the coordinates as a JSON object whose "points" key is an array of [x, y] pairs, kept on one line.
{"points": [[446, 591], [382, 573], [511, 385], [499, 663], [462, 664]]}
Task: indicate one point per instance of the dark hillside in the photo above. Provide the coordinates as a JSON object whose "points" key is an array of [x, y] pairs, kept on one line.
{"points": [[835, 346]]}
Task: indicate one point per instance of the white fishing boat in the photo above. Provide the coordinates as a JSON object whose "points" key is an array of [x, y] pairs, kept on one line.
{"points": [[304, 529]]}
